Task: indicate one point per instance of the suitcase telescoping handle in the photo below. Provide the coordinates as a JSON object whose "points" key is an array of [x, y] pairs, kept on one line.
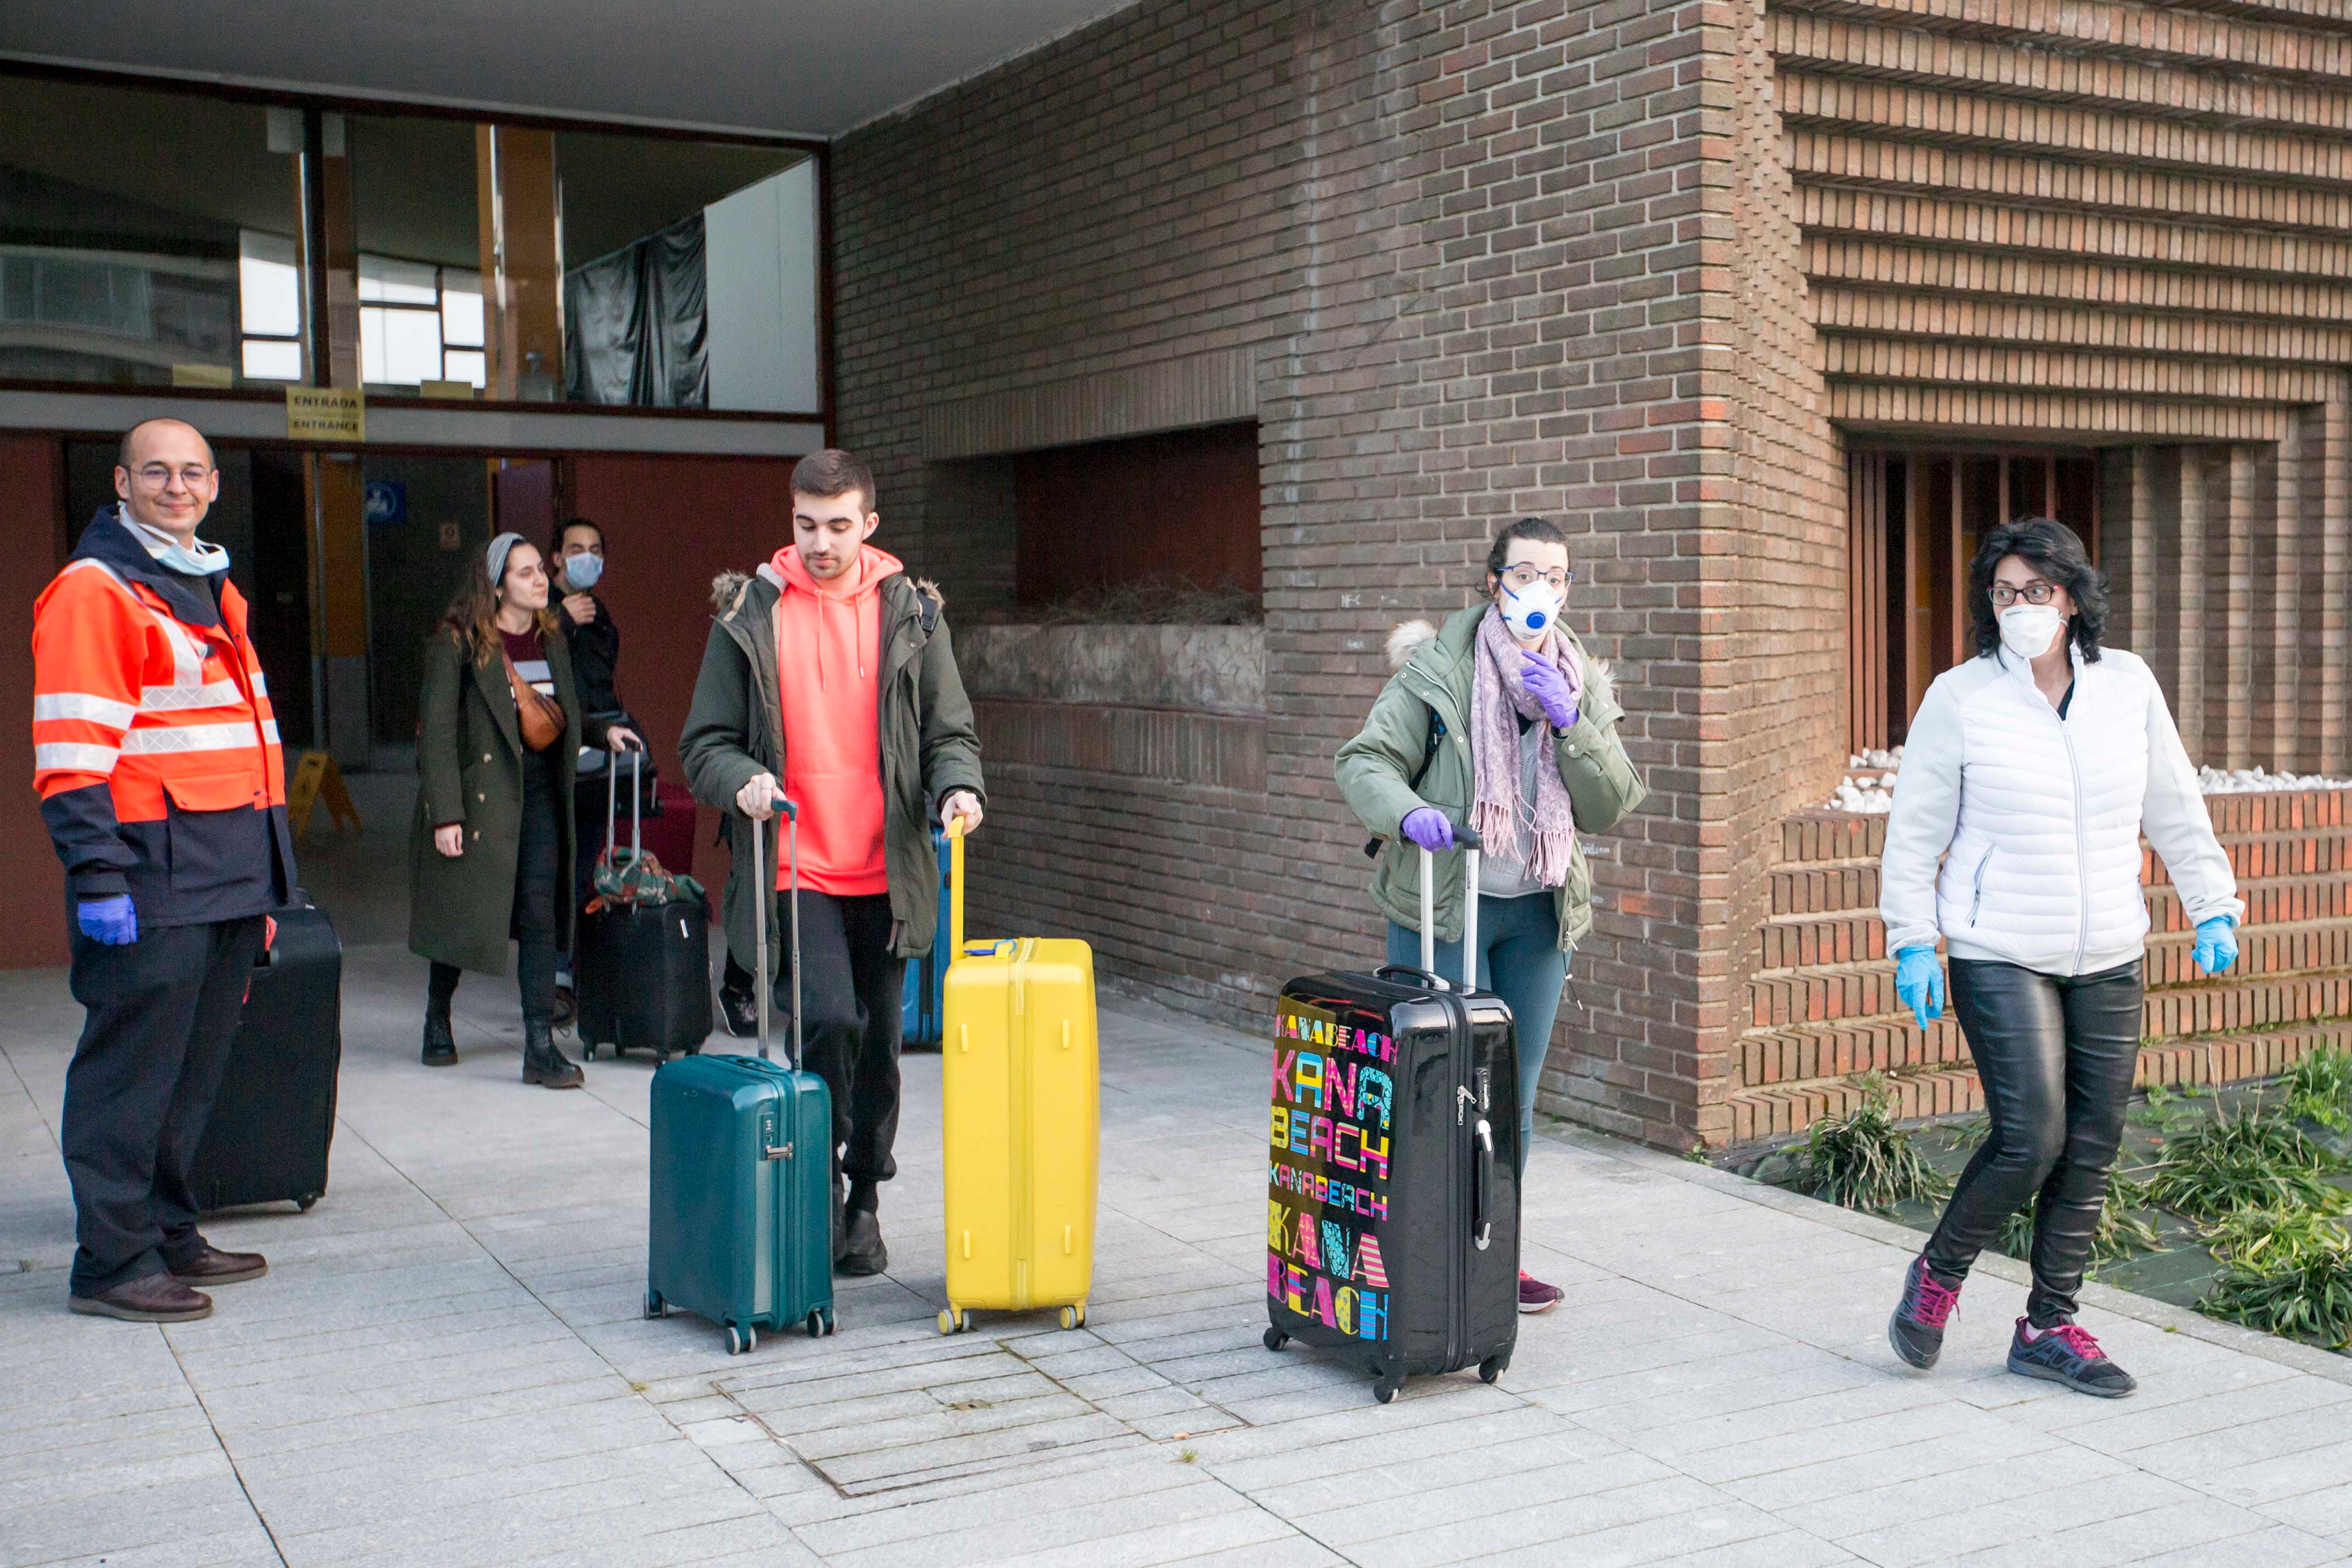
{"points": [[1470, 844], [636, 801], [955, 831], [765, 988]]}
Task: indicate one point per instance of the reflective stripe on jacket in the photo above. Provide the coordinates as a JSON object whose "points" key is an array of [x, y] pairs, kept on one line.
{"points": [[154, 747]]}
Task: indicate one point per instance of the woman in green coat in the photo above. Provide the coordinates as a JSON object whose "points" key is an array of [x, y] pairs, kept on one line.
{"points": [[1503, 722], [491, 848]]}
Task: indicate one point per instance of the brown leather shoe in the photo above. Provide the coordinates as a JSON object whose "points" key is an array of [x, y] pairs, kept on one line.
{"points": [[217, 1268], [150, 1298]]}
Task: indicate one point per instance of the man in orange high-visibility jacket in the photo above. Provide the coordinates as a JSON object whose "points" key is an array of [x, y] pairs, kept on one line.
{"points": [[164, 790]]}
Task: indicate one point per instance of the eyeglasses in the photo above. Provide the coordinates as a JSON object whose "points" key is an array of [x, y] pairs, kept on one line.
{"points": [[2033, 594], [155, 476], [1524, 577]]}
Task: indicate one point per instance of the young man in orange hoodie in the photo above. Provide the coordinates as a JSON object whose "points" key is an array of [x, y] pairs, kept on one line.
{"points": [[830, 670]]}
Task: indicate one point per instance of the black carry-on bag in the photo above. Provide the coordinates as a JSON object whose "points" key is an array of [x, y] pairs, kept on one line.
{"points": [[1392, 1191], [274, 1117], [640, 956]]}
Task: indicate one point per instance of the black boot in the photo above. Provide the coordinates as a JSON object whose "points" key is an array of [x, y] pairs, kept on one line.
{"points": [[542, 1062], [440, 1044], [859, 1250]]}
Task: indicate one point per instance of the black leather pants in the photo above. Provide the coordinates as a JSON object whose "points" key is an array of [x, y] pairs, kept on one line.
{"points": [[2056, 1055]]}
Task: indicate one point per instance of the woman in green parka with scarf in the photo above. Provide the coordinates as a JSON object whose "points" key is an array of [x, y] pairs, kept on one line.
{"points": [[1503, 720]]}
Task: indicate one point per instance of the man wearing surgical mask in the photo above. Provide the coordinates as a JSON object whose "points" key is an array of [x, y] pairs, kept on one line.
{"points": [[2029, 774], [595, 644]]}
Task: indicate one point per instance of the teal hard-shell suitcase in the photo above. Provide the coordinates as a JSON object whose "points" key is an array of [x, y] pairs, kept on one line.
{"points": [[741, 1224]]}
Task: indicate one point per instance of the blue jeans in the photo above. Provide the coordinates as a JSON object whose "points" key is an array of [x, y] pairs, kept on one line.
{"points": [[1520, 960]]}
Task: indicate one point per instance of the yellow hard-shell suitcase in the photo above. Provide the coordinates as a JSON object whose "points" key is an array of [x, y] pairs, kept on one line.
{"points": [[1020, 1084]]}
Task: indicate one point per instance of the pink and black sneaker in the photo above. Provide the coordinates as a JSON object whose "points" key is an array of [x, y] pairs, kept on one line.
{"points": [[1916, 1330], [2069, 1355], [1535, 1296]]}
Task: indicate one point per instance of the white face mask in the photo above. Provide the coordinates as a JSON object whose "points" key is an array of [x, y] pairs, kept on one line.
{"points": [[1529, 612], [583, 571], [2028, 630]]}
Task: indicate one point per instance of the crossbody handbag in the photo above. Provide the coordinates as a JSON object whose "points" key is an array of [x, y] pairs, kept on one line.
{"points": [[542, 719]]}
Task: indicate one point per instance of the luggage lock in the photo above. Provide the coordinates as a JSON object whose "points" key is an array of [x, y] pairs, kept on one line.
{"points": [[1462, 1096]]}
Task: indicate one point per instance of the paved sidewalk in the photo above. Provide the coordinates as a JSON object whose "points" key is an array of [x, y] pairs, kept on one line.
{"points": [[446, 1365]]}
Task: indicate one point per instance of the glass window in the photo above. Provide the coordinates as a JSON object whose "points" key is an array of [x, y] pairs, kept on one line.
{"points": [[146, 238], [397, 282], [466, 364], [269, 360], [461, 308]]}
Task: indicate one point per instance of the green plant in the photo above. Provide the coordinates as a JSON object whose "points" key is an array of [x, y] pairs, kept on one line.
{"points": [[2256, 1160], [2307, 1297], [2120, 1232], [1863, 1161], [2320, 1086], [2274, 1239]]}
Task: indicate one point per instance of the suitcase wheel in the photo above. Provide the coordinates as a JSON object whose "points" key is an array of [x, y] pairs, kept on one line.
{"points": [[1274, 1338], [304, 1206], [1075, 1317], [828, 1321], [587, 1050], [816, 1325], [655, 1306], [952, 1321], [741, 1340], [1493, 1367], [1386, 1388]]}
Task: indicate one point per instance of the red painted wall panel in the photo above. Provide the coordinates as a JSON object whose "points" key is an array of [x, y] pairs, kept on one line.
{"points": [[670, 525], [31, 472]]}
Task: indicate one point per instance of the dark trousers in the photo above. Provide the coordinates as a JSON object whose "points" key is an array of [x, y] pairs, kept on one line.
{"points": [[851, 988], [161, 1015], [2056, 1055], [538, 869]]}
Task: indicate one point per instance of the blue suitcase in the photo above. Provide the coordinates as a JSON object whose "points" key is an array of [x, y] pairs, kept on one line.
{"points": [[922, 1006], [740, 1229]]}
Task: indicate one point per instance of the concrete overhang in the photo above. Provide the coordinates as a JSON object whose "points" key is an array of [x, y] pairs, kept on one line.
{"points": [[806, 67]]}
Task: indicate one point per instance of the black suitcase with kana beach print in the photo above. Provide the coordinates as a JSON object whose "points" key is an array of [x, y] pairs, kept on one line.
{"points": [[1392, 1195]]}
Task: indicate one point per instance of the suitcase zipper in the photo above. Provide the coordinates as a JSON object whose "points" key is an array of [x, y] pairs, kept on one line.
{"points": [[1017, 1066]]}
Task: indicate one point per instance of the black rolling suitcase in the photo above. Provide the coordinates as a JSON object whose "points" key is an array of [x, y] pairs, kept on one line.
{"points": [[1393, 1194], [274, 1117], [641, 957]]}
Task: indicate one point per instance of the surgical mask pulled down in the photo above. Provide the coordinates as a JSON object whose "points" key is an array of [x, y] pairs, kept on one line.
{"points": [[1531, 611], [2028, 630], [584, 571]]}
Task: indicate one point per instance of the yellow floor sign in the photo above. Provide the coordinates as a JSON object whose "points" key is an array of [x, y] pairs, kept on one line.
{"points": [[318, 780]]}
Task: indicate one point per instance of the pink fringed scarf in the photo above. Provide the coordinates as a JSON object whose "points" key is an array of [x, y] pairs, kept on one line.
{"points": [[1497, 702]]}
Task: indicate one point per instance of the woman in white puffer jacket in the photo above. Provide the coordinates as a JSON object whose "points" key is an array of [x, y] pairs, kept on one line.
{"points": [[2029, 774]]}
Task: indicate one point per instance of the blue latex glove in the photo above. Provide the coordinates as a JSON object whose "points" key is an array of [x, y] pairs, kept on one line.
{"points": [[1548, 685], [1919, 981], [1426, 825], [2217, 944], [115, 921]]}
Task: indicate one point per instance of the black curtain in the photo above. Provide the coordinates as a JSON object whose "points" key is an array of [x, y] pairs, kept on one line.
{"points": [[634, 323]]}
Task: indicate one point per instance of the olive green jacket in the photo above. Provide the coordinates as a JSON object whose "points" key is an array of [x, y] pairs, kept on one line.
{"points": [[470, 756], [1433, 672], [734, 732]]}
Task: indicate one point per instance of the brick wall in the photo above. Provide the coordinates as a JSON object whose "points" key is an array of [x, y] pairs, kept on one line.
{"points": [[1492, 259]]}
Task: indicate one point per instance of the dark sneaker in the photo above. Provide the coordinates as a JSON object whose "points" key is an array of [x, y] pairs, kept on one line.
{"points": [[212, 1266], [1535, 1296], [862, 1251], [739, 1012], [1916, 1330], [150, 1298], [2069, 1355]]}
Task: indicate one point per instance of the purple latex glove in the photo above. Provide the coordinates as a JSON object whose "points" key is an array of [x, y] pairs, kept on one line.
{"points": [[1426, 825], [1548, 685]]}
